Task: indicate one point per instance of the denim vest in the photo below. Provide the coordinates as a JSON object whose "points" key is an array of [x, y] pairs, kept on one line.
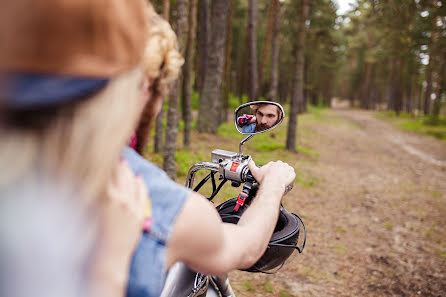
{"points": [[250, 128], [148, 269]]}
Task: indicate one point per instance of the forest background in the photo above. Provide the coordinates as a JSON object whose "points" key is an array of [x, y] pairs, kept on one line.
{"points": [[373, 196], [378, 55]]}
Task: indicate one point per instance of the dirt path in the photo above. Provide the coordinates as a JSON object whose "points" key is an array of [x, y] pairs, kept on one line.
{"points": [[375, 215]]}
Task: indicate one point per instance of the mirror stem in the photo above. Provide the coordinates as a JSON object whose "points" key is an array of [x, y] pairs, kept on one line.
{"points": [[240, 147]]}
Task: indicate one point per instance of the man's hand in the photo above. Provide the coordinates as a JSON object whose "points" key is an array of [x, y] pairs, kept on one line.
{"points": [[276, 174]]}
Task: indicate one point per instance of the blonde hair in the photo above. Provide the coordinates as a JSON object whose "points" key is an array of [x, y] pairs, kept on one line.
{"points": [[82, 141], [162, 61], [162, 64]]}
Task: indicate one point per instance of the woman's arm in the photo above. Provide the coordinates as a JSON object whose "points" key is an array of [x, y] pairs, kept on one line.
{"points": [[201, 240], [246, 119]]}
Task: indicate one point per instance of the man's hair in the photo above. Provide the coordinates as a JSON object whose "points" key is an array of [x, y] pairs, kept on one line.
{"points": [[255, 107], [162, 64]]}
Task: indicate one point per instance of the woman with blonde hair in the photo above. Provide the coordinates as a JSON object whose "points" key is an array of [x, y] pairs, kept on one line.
{"points": [[162, 64], [184, 226], [71, 91]]}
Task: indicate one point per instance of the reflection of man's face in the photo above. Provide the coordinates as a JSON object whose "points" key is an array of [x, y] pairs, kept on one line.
{"points": [[266, 116]]}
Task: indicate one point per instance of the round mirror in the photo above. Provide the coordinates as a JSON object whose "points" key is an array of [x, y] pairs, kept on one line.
{"points": [[258, 117]]}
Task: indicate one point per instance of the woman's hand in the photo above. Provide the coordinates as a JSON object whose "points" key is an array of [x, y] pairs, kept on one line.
{"points": [[122, 215], [123, 212], [275, 174]]}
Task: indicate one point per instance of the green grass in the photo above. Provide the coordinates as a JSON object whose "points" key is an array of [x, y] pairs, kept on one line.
{"points": [[268, 286], [185, 159], [442, 253], [228, 130], [307, 151], [247, 286], [193, 124], [388, 226], [340, 249], [436, 194], [418, 124], [285, 293], [341, 230]]}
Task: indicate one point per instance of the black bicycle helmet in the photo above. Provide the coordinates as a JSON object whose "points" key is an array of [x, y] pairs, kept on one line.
{"points": [[283, 242]]}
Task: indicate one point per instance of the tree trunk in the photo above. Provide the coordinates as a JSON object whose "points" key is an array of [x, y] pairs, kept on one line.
{"points": [[297, 96], [440, 81], [275, 53], [267, 42], [429, 69], [204, 26], [210, 100], [227, 72], [365, 100], [187, 80], [409, 95], [397, 88], [306, 81], [158, 139], [390, 85], [428, 91], [252, 40], [243, 68], [172, 112]]}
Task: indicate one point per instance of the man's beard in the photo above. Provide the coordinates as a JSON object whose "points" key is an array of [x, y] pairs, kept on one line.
{"points": [[261, 127]]}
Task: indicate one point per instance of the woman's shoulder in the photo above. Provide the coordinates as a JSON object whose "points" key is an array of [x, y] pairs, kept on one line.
{"points": [[167, 197]]}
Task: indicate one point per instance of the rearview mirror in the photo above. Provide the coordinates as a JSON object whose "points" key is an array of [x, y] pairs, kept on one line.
{"points": [[258, 117]]}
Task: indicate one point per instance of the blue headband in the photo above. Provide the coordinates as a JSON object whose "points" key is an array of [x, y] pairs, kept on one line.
{"points": [[25, 90]]}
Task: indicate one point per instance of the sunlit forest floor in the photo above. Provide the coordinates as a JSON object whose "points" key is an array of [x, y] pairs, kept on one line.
{"points": [[373, 198]]}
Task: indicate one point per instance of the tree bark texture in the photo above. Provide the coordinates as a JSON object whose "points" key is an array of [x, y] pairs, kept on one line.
{"points": [[267, 43], [297, 95], [252, 40], [440, 79], [397, 88], [204, 26], [187, 80], [210, 100], [390, 84], [272, 94], [158, 139], [430, 69], [365, 98], [172, 112], [227, 72]]}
